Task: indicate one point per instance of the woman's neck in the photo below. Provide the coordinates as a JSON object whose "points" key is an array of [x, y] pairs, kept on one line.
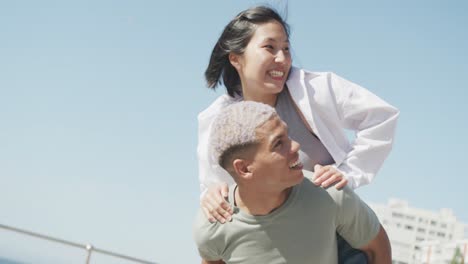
{"points": [[266, 99]]}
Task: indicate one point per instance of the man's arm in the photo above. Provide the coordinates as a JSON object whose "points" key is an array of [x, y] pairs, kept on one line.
{"points": [[212, 262], [378, 250]]}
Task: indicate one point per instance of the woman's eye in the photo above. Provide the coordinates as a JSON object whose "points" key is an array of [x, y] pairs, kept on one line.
{"points": [[269, 46]]}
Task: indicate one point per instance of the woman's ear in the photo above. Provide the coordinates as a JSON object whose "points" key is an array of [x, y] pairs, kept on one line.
{"points": [[234, 59], [242, 168]]}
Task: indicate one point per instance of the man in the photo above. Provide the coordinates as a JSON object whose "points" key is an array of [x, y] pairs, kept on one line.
{"points": [[280, 215]]}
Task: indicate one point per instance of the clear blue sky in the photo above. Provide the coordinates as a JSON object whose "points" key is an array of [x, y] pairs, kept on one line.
{"points": [[98, 106]]}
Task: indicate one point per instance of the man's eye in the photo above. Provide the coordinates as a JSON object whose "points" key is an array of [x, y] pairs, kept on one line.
{"points": [[286, 49], [278, 144], [269, 46]]}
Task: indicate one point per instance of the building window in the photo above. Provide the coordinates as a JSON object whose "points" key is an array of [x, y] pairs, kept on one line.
{"points": [[397, 215], [408, 227], [421, 230], [410, 217]]}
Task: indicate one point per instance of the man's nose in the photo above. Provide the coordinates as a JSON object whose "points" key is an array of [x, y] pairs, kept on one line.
{"points": [[295, 146]]}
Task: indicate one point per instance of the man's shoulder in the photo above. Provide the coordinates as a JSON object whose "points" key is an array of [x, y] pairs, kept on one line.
{"points": [[207, 237], [336, 195], [205, 232], [201, 225]]}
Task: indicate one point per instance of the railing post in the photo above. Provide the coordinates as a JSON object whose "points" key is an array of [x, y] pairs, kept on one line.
{"points": [[89, 250], [88, 247]]}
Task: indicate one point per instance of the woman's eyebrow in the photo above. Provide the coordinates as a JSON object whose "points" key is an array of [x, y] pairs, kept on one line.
{"points": [[274, 40]]}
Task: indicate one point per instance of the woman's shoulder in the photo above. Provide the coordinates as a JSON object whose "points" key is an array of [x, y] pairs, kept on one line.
{"points": [[297, 74], [323, 83], [218, 104]]}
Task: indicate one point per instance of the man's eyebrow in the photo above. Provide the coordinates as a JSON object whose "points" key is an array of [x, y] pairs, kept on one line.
{"points": [[276, 138]]}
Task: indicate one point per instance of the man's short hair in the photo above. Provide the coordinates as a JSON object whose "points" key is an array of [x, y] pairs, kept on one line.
{"points": [[234, 130]]}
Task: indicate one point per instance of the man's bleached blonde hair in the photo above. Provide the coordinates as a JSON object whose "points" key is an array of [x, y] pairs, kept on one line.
{"points": [[234, 129]]}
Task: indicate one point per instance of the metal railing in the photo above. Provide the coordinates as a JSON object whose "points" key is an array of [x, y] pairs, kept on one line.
{"points": [[88, 247]]}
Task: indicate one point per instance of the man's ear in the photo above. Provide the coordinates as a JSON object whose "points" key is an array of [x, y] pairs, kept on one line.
{"points": [[242, 168], [234, 59]]}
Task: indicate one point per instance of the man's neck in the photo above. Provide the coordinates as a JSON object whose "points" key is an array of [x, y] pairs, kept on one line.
{"points": [[255, 202]]}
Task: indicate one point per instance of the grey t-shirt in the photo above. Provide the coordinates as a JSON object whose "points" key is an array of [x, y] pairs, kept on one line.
{"points": [[302, 230], [312, 149]]}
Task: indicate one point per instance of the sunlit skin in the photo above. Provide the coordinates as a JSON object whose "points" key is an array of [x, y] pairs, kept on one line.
{"points": [[268, 173], [265, 64], [263, 70], [265, 179]]}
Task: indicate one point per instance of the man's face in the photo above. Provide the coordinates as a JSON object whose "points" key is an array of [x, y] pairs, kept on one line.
{"points": [[276, 164]]}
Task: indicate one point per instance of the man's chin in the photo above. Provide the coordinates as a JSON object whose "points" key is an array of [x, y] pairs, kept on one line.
{"points": [[299, 176]]}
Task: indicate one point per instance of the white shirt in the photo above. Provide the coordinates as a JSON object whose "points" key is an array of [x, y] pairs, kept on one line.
{"points": [[329, 104]]}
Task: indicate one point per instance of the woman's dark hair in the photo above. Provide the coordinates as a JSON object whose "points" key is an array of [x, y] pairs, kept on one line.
{"points": [[235, 38]]}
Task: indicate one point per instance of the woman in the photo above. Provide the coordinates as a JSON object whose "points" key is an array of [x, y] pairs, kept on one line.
{"points": [[253, 61]]}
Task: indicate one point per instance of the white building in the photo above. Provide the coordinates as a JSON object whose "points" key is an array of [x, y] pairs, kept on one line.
{"points": [[421, 236], [438, 252]]}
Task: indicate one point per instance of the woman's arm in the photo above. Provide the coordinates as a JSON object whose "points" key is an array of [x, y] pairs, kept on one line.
{"points": [[209, 171], [374, 122], [330, 105], [214, 180]]}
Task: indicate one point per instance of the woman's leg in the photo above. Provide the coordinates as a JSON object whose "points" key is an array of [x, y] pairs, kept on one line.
{"points": [[349, 255]]}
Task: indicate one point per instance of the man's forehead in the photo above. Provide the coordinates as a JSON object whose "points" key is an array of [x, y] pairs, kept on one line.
{"points": [[271, 129]]}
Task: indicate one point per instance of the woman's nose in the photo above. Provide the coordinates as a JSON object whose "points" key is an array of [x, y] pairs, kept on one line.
{"points": [[281, 57]]}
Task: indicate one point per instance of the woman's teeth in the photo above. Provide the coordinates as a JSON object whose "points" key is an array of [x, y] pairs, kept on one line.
{"points": [[276, 74]]}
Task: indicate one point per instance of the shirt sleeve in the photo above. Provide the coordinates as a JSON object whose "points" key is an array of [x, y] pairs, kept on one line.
{"points": [[355, 220], [374, 122], [203, 234], [206, 252]]}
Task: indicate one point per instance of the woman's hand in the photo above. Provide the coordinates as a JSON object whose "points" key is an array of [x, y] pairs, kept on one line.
{"points": [[326, 176], [215, 205]]}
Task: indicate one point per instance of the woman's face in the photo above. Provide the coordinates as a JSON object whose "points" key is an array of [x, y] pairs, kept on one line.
{"points": [[265, 64]]}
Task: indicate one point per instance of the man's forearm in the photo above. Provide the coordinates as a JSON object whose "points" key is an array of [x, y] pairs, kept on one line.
{"points": [[212, 262], [379, 249]]}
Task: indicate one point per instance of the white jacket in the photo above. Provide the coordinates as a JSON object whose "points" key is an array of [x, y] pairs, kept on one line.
{"points": [[330, 104]]}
